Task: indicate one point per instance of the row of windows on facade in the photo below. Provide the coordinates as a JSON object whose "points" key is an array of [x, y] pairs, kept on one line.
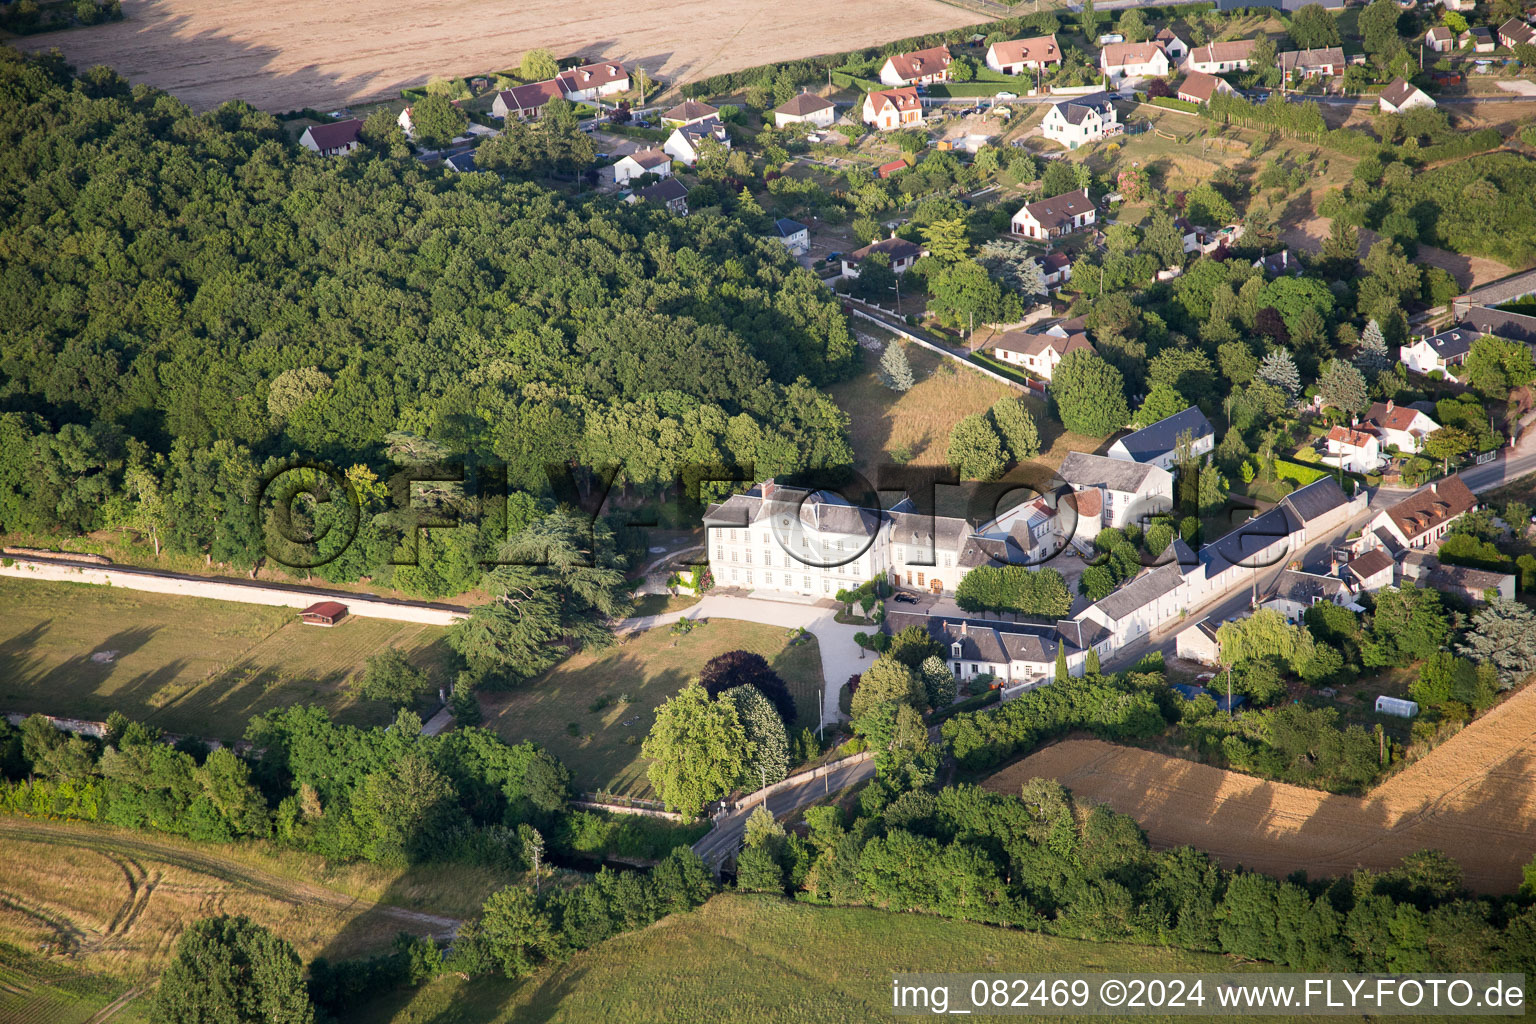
{"points": [[789, 560]]}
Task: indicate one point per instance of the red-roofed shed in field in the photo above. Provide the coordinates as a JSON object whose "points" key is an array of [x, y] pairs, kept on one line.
{"points": [[323, 613]]}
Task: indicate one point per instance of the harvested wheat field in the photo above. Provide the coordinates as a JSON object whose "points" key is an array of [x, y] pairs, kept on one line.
{"points": [[1473, 797], [286, 56], [126, 898]]}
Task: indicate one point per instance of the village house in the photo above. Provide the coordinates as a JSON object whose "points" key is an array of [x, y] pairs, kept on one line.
{"points": [[1278, 264], [1172, 45], [919, 67], [689, 112], [1501, 323], [668, 192], [1421, 519], [1219, 58], [1353, 450], [1460, 6], [461, 163], [1400, 96], [525, 101], [647, 161], [336, 138], [1293, 592], [1515, 32], [1133, 60], [1321, 507], [795, 236], [1037, 353], [1399, 426], [1016, 56], [1081, 119], [1117, 492], [806, 108], [1440, 39], [1199, 87], [1157, 444], [1204, 240], [1141, 606], [1056, 216], [687, 142], [889, 109], [1198, 643], [899, 251], [1055, 269], [1327, 62], [1474, 586], [1439, 353], [1370, 571], [591, 81], [1479, 39]]}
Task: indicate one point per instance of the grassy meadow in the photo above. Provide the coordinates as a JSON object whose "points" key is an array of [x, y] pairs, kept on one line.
{"points": [[187, 665], [770, 961], [593, 709]]}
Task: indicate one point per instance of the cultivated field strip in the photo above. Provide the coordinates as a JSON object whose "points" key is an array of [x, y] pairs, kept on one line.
{"points": [[1473, 797]]}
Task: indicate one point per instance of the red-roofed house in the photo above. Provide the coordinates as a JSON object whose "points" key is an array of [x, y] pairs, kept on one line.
{"points": [[1058, 215], [1422, 519], [323, 613], [1400, 425], [1199, 87], [1015, 56], [593, 80], [888, 109], [1134, 60], [919, 67], [525, 101], [1357, 451]]}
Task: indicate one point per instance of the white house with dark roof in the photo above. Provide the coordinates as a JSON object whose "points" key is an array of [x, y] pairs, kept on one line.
{"points": [[525, 101], [1516, 32], [1016, 56], [1401, 95], [1056, 216], [1326, 62], [806, 108], [1141, 606], [668, 192], [646, 161], [336, 138], [1122, 492], [686, 143], [1440, 353], [1158, 443], [899, 251], [1440, 39], [916, 67], [795, 236], [1370, 571], [1039, 353], [1081, 120], [1172, 45], [1294, 591]]}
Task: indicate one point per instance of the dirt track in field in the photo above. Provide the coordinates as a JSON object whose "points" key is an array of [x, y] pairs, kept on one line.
{"points": [[1473, 797], [280, 55]]}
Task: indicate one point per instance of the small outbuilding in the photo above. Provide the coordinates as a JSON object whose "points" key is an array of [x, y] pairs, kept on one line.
{"points": [[323, 613], [1396, 706]]}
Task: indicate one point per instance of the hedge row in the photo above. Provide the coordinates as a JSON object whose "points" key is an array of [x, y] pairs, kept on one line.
{"points": [[1174, 104]]}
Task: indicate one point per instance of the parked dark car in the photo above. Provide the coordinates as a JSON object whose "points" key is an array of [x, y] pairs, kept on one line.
{"points": [[905, 599]]}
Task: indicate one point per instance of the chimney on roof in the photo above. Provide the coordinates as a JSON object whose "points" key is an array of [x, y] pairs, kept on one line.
{"points": [[1390, 405], [769, 487], [1434, 488], [965, 628]]}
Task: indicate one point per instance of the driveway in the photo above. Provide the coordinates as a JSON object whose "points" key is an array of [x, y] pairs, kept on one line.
{"points": [[840, 656]]}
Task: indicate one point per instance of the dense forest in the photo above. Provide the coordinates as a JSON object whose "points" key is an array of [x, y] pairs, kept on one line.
{"points": [[190, 303]]}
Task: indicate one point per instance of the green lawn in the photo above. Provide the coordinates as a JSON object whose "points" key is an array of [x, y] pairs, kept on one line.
{"points": [[740, 958], [187, 665], [603, 749]]}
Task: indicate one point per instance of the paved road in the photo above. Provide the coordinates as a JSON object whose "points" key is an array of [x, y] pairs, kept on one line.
{"points": [[722, 843]]}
